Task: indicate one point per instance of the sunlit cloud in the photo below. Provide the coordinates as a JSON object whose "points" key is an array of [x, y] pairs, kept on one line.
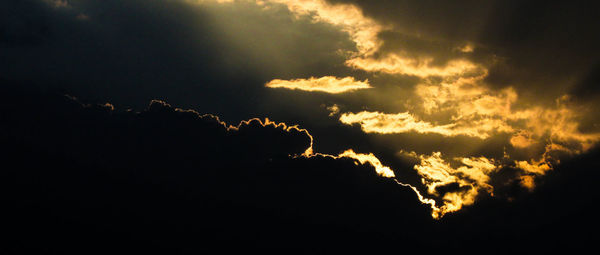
{"points": [[384, 171], [264, 123], [386, 123], [395, 64], [476, 111], [349, 18], [371, 159], [333, 110], [479, 112], [471, 178], [467, 48], [451, 98], [327, 84], [528, 182], [535, 167], [364, 32], [521, 140]]}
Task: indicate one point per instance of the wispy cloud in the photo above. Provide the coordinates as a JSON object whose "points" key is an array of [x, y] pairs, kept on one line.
{"points": [[327, 84]]}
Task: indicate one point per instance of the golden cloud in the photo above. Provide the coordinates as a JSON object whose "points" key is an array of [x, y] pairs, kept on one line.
{"points": [[479, 112], [396, 64], [528, 182], [364, 31], [333, 110], [521, 140], [455, 90], [327, 84], [349, 18], [472, 177], [371, 159], [386, 123]]}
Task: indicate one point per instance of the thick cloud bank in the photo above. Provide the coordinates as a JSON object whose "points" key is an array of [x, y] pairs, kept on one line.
{"points": [[87, 178]]}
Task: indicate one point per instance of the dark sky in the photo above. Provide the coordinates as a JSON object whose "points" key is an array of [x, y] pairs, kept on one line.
{"points": [[364, 125]]}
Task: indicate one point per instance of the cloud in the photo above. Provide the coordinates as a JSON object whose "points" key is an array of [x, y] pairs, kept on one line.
{"points": [[468, 87], [454, 97], [148, 173], [92, 176], [531, 50], [371, 159], [365, 33], [521, 140], [349, 18], [456, 94], [327, 84], [471, 109], [395, 64], [333, 110], [471, 178], [387, 123]]}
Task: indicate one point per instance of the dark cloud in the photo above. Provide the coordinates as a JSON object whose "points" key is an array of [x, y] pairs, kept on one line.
{"points": [[172, 178], [130, 52], [87, 178]]}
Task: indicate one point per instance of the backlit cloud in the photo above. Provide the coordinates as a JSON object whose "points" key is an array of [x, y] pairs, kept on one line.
{"points": [[470, 179], [481, 113], [395, 64], [327, 84], [385, 123], [364, 32], [371, 159], [441, 97], [452, 98]]}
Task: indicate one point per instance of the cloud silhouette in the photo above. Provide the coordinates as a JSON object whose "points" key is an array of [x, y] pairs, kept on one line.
{"points": [[91, 178]]}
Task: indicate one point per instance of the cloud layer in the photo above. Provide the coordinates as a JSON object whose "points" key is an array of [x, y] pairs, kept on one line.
{"points": [[455, 96]]}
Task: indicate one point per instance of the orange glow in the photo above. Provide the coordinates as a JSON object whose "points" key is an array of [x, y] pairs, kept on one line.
{"points": [[364, 31], [472, 177], [481, 113], [265, 123], [371, 159], [395, 64], [521, 140], [467, 48], [327, 84], [528, 182], [385, 123], [450, 99], [349, 18], [333, 110], [534, 167]]}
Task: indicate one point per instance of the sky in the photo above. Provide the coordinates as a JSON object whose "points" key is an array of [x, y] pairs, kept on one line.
{"points": [[347, 118]]}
